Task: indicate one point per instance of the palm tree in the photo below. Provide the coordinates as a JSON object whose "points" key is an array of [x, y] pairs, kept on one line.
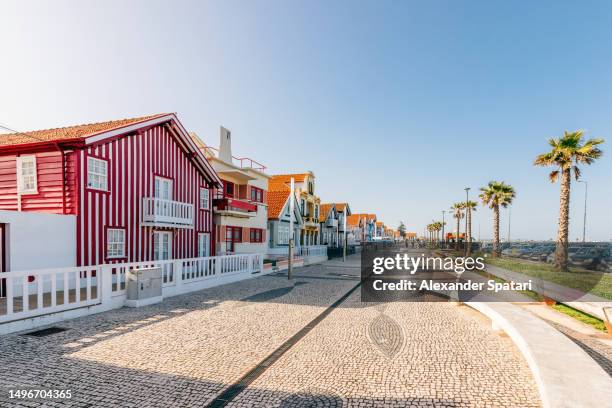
{"points": [[496, 194], [458, 214], [567, 152], [469, 207]]}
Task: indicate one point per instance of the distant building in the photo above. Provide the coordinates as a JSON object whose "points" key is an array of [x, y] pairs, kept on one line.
{"points": [[307, 201]]}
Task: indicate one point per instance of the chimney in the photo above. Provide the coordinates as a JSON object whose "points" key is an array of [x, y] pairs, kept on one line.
{"points": [[225, 145]]}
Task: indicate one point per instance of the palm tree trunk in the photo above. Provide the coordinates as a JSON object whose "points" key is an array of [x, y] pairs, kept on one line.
{"points": [[496, 251], [563, 232], [457, 234], [469, 232]]}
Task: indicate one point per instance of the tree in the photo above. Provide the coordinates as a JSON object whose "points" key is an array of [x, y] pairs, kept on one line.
{"points": [[458, 214], [566, 153], [497, 194], [402, 229], [469, 207]]}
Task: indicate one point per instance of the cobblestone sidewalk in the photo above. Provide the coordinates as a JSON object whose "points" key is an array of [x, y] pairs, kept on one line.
{"points": [[185, 351]]}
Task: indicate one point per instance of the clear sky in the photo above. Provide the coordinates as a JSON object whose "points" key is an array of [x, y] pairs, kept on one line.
{"points": [[396, 106]]}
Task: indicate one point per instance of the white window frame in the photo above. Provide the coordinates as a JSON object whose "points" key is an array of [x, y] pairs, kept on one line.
{"points": [[203, 250], [92, 172], [115, 245], [283, 234], [205, 199], [22, 179], [158, 191]]}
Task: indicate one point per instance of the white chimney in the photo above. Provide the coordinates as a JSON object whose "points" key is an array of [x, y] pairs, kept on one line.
{"points": [[225, 145]]}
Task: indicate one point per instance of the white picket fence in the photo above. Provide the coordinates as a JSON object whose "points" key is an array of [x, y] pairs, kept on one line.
{"points": [[303, 251], [34, 293]]}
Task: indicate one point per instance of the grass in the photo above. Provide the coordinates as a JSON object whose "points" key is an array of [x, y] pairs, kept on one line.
{"points": [[560, 307], [578, 315], [595, 283]]}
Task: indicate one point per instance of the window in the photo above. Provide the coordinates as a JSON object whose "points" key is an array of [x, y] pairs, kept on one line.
{"points": [[228, 188], [256, 235], [316, 212], [163, 188], [97, 174], [204, 198], [303, 207], [256, 194], [115, 243], [26, 174], [283, 234], [203, 245], [233, 234]]}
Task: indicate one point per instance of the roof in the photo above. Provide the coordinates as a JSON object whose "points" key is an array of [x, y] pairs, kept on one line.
{"points": [[341, 206], [69, 132], [276, 202], [379, 223], [279, 181], [324, 211], [353, 220]]}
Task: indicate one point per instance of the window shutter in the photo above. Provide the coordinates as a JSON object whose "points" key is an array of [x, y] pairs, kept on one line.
{"points": [[263, 235], [246, 234], [221, 234], [264, 196], [242, 190], [247, 194]]}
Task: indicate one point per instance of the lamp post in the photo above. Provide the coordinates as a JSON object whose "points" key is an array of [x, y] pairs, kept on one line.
{"points": [[291, 235], [586, 189], [468, 213]]}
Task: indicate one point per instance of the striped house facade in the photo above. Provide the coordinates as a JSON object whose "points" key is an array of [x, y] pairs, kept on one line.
{"points": [[140, 188]]}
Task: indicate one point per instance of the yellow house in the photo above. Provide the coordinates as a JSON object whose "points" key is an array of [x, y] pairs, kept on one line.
{"points": [[308, 203]]}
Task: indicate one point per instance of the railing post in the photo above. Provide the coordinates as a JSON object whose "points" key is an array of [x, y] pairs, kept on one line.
{"points": [[250, 264], [218, 260], [178, 273], [261, 259], [106, 280]]}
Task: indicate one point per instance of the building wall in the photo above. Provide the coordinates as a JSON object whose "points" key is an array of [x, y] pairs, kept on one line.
{"points": [[38, 240], [134, 161], [56, 194], [258, 220]]}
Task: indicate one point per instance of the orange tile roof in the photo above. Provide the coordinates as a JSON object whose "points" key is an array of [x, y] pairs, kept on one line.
{"points": [[324, 211], [279, 181], [340, 206], [379, 223], [276, 202], [353, 220], [70, 132]]}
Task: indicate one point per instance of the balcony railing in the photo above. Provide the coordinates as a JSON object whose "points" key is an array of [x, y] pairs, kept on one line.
{"points": [[331, 222], [242, 162], [156, 211], [235, 206]]}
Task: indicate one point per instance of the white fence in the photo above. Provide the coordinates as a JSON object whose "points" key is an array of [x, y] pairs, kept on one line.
{"points": [[303, 251], [34, 293]]}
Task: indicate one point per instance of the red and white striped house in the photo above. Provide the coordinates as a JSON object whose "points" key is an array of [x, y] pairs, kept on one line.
{"points": [[138, 189]]}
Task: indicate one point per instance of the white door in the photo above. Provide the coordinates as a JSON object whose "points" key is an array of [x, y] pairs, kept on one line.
{"points": [[162, 251]]}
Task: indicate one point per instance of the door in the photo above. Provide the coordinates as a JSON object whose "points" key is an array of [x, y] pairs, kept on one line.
{"points": [[163, 188], [2, 259], [162, 251], [232, 236]]}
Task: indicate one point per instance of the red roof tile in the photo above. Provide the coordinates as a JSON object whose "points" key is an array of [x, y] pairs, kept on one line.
{"points": [[70, 132]]}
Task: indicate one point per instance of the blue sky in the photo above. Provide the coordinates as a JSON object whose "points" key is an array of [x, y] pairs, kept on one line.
{"points": [[396, 106]]}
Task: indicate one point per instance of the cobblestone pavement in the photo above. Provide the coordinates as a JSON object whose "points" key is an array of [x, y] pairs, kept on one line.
{"points": [[185, 351]]}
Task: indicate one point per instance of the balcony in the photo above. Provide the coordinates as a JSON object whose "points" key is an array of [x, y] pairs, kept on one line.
{"points": [[331, 223], [166, 213], [310, 222], [235, 208]]}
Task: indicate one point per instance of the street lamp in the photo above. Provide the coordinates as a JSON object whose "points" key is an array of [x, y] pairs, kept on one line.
{"points": [[586, 188], [468, 212]]}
